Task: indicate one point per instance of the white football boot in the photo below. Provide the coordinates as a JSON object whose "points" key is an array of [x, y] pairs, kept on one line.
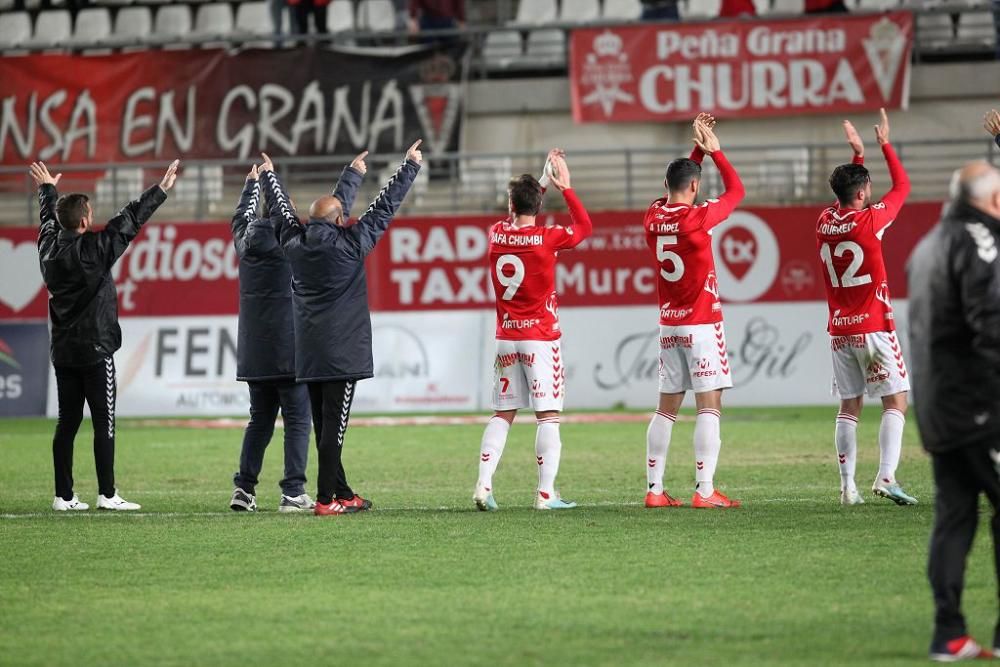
{"points": [[116, 503], [73, 505]]}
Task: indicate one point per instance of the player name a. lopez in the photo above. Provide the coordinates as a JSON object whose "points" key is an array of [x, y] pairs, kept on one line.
{"points": [[830, 228], [499, 238]]}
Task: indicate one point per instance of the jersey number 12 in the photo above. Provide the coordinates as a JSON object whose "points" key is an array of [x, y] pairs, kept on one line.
{"points": [[849, 277]]}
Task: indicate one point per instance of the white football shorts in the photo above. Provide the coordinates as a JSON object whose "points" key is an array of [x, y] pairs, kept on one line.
{"points": [[870, 364], [529, 373], [694, 357]]}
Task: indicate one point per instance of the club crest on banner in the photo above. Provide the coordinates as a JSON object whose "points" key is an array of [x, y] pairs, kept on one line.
{"points": [[885, 48], [607, 69], [437, 101]]}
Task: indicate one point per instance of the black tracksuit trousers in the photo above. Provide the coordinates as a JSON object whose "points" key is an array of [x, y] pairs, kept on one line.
{"points": [[960, 476], [98, 387], [331, 410]]}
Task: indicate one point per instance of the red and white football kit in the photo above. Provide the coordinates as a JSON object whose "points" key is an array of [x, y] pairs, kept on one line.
{"points": [[866, 352], [692, 337], [529, 368]]}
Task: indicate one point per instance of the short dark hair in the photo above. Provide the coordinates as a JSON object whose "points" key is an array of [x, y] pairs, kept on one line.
{"points": [[681, 172], [525, 195], [71, 210], [847, 180]]}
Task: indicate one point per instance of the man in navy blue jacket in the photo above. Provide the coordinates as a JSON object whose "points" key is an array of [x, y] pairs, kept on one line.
{"points": [[333, 331], [265, 352]]}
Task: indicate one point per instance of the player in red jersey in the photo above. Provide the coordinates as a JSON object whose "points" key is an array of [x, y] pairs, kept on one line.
{"points": [[866, 352], [692, 338], [529, 368]]}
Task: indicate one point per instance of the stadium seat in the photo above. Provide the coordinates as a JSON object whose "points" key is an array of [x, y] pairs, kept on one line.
{"points": [[977, 29], [625, 10], [546, 47], [788, 7], [92, 25], [579, 11], [536, 12], [214, 19], [15, 29], [701, 9], [52, 28], [502, 49], [876, 5], [6, 4], [172, 21], [935, 31], [377, 15], [133, 23], [340, 16], [118, 184], [254, 18], [199, 181]]}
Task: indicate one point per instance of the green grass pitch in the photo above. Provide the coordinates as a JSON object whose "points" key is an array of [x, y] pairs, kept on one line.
{"points": [[791, 578]]}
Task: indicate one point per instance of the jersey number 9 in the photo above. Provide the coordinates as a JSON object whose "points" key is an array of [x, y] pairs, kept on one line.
{"points": [[511, 282]]}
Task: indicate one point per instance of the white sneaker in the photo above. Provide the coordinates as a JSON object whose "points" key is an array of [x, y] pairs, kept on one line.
{"points": [[116, 502], [60, 505], [851, 497], [483, 498], [301, 503]]}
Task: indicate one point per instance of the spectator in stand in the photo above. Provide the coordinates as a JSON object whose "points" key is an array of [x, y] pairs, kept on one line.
{"points": [[402, 9], [826, 7], [300, 11], [660, 10], [277, 9], [436, 15], [737, 8]]}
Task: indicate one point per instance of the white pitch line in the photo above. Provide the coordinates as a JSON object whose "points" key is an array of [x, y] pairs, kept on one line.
{"points": [[453, 509]]}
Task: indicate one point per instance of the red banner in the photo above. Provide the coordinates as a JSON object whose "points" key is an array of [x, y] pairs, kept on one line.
{"points": [[158, 105], [762, 255], [746, 68]]}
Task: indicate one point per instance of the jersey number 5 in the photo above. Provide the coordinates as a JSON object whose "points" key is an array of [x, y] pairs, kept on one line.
{"points": [[850, 277], [664, 255], [511, 282]]}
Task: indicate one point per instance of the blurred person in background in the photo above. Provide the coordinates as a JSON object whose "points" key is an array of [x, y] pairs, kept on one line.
{"points": [[76, 264], [436, 15], [954, 322], [737, 8], [825, 7], [659, 10], [301, 10], [333, 329], [277, 10]]}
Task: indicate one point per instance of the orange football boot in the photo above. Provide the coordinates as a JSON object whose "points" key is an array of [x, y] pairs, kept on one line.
{"points": [[661, 500], [715, 501]]}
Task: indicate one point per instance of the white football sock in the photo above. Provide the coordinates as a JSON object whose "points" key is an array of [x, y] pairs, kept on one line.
{"points": [[846, 440], [548, 448], [657, 444], [890, 443], [707, 444], [494, 440]]}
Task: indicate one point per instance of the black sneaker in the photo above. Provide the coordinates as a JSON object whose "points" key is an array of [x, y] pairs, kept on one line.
{"points": [[243, 501]]}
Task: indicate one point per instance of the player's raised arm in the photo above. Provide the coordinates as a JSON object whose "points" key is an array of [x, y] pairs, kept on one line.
{"points": [[992, 124], [48, 229], [246, 209], [582, 226], [894, 198], [375, 221], [702, 119], [706, 140], [855, 142], [113, 240], [545, 180], [349, 182]]}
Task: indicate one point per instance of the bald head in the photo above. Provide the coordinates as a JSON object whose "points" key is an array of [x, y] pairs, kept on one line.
{"points": [[327, 208], [978, 184]]}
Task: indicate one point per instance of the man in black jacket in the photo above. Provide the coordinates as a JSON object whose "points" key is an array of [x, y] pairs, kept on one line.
{"points": [[83, 314], [954, 278], [265, 352], [333, 331]]}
